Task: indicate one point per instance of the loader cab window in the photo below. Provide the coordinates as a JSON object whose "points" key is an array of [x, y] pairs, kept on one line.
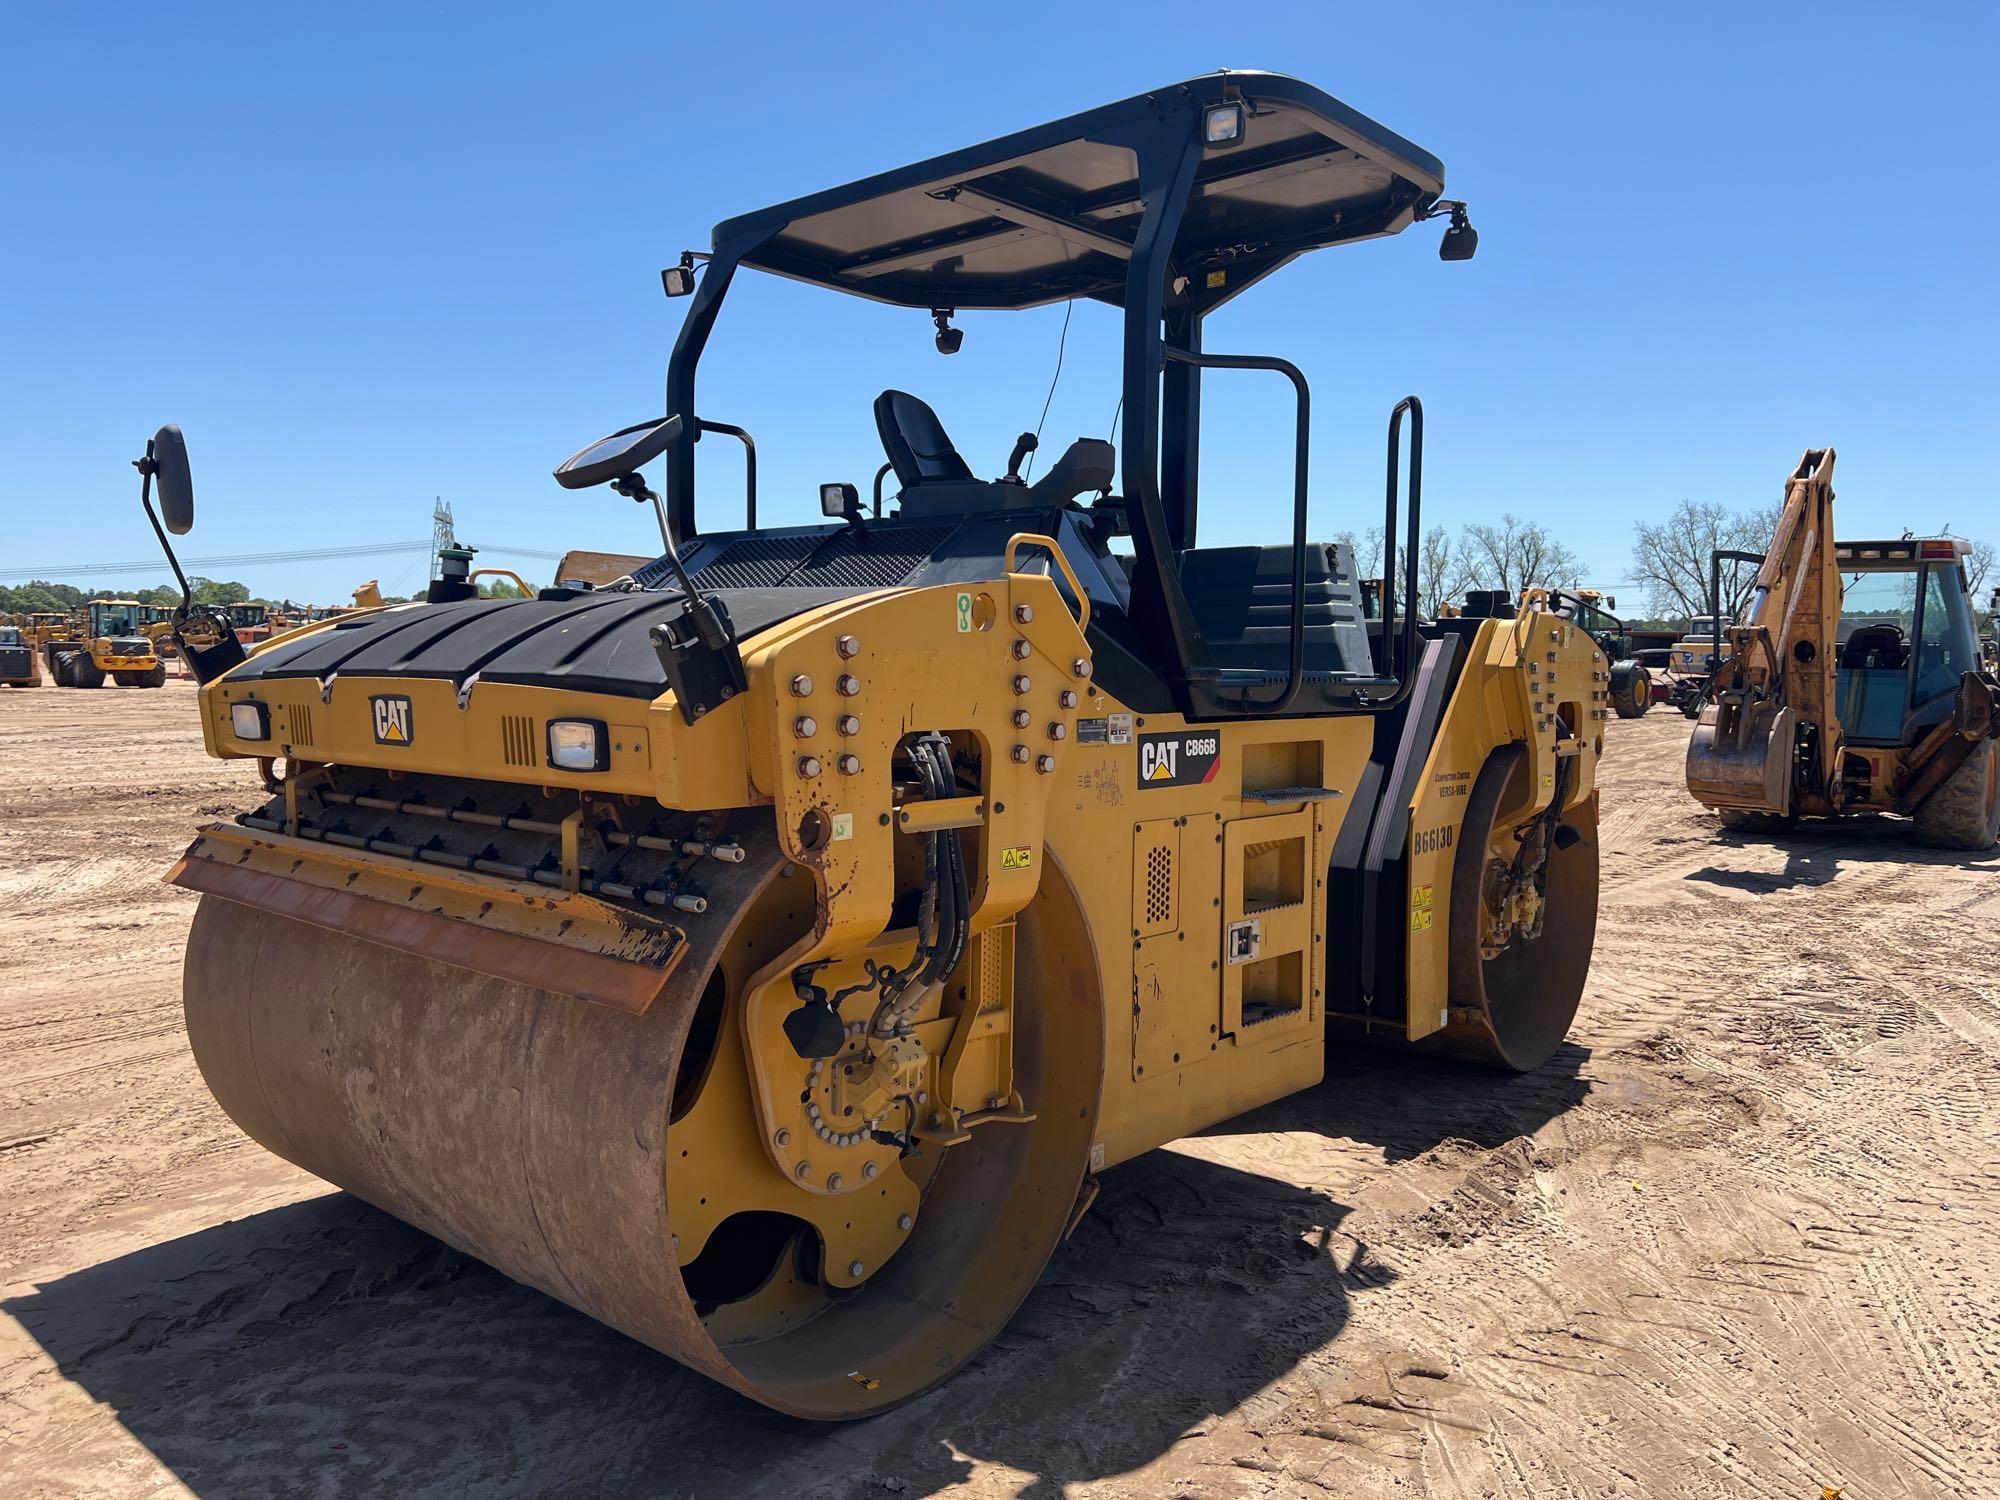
{"points": [[1947, 643], [1905, 638]]}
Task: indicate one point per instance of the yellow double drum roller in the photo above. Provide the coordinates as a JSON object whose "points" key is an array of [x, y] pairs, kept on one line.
{"points": [[763, 952]]}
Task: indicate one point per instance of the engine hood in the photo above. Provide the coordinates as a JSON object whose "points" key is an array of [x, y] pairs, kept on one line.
{"points": [[598, 643]]}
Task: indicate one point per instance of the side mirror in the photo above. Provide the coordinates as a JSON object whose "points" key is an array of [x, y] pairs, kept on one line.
{"points": [[170, 474], [626, 451]]}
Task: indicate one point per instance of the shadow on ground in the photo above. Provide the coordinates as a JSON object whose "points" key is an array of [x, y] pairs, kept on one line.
{"points": [[326, 1347], [1815, 851]]}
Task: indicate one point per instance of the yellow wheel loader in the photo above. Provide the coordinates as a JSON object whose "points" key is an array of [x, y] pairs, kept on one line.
{"points": [[20, 666], [1854, 682], [104, 639], [764, 951]]}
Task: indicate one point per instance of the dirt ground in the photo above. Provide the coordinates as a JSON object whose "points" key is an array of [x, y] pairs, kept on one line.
{"points": [[1742, 1237]]}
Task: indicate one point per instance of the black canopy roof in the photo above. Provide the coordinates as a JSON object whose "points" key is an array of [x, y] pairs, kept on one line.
{"points": [[1051, 212]]}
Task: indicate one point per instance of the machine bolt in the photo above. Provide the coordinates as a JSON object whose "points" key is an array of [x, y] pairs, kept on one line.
{"points": [[1023, 614], [813, 1109], [781, 1138], [903, 1222], [848, 685], [833, 1183], [850, 765], [1058, 730], [868, 1171], [809, 766], [803, 1170], [805, 726], [848, 724], [1022, 650], [1066, 698], [802, 686], [1045, 764], [923, 1097], [1021, 718], [1022, 682], [1080, 667], [848, 647], [855, 1268], [1021, 753]]}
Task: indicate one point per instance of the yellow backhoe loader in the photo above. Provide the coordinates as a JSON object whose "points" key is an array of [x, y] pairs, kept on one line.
{"points": [[764, 951], [1852, 683]]}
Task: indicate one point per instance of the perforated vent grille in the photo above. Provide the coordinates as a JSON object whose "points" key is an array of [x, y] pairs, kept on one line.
{"points": [[870, 560], [298, 724], [758, 562], [517, 739], [1159, 887]]}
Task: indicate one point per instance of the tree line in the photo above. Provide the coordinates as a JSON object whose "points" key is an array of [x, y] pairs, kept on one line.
{"points": [[1668, 576], [43, 597], [1669, 567]]}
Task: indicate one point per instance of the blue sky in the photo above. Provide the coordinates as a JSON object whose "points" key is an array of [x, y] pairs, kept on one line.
{"points": [[366, 257]]}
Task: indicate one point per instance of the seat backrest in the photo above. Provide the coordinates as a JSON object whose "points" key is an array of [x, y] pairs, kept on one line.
{"points": [[919, 450], [1874, 645]]}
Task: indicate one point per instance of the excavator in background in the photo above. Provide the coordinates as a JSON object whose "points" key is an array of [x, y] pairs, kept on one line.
{"points": [[1868, 695]]}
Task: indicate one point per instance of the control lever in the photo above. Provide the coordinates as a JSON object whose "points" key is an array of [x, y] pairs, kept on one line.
{"points": [[1025, 444]]}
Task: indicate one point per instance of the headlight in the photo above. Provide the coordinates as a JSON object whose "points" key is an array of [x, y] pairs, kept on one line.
{"points": [[1222, 124], [250, 721], [578, 745]]}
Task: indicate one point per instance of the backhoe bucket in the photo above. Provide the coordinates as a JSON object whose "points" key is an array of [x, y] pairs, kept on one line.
{"points": [[1740, 756]]}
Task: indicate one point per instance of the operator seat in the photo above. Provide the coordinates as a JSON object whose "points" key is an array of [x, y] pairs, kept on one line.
{"points": [[936, 480], [919, 449], [1875, 646]]}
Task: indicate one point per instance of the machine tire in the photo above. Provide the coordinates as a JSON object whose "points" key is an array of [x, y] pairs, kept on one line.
{"points": [[154, 676], [1964, 813], [1631, 693], [84, 672], [1747, 820], [62, 668], [1524, 997]]}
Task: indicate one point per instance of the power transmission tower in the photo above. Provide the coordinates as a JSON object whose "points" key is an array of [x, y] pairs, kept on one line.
{"points": [[442, 536]]}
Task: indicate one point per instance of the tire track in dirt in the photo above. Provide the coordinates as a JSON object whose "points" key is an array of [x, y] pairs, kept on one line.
{"points": [[1738, 1239]]}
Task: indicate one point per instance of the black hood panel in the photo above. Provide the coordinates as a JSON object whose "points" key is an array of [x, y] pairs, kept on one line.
{"points": [[595, 644]]}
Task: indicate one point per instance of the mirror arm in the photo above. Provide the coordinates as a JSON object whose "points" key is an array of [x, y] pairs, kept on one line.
{"points": [[147, 467], [634, 487]]}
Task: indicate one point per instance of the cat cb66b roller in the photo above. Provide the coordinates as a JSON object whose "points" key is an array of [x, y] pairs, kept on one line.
{"points": [[763, 950]]}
